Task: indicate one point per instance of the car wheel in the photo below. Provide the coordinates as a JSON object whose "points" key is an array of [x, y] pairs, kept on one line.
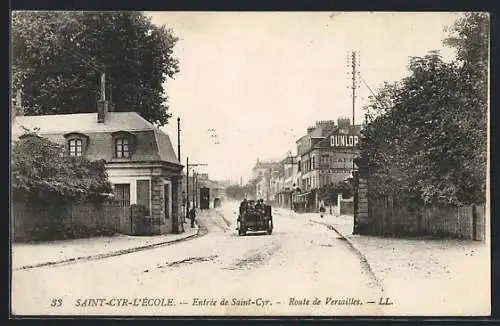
{"points": [[241, 229], [270, 228]]}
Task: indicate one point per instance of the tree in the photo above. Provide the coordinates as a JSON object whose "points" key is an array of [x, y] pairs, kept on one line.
{"points": [[470, 37], [41, 172], [239, 192], [427, 138], [58, 58], [329, 193]]}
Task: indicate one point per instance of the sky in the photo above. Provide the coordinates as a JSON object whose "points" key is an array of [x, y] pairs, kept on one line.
{"points": [[251, 83]]}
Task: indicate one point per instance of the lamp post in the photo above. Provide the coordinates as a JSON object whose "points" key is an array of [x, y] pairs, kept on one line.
{"points": [[195, 187], [179, 139], [184, 206]]}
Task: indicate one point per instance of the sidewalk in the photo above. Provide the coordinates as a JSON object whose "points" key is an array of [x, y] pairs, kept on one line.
{"points": [[425, 276], [26, 255]]}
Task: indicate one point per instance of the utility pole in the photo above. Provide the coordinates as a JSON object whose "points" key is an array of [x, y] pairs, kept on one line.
{"points": [[187, 187], [354, 84], [354, 60], [179, 139], [195, 186]]}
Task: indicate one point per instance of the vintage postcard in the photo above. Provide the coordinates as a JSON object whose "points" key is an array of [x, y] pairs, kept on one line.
{"points": [[250, 164]]}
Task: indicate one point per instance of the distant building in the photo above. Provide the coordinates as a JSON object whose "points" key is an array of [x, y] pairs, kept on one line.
{"points": [[264, 173], [326, 156], [289, 181]]}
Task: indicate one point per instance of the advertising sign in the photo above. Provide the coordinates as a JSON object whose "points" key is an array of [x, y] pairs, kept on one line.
{"points": [[344, 140]]}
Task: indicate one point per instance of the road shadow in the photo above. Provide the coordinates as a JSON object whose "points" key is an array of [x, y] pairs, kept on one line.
{"points": [[256, 234]]}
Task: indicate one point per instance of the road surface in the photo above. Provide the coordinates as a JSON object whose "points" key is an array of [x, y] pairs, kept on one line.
{"points": [[303, 268]]}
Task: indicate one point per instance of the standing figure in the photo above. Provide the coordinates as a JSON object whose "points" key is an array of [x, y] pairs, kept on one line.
{"points": [[192, 216]]}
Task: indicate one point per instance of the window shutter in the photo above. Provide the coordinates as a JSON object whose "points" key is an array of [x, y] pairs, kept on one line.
{"points": [[143, 194]]}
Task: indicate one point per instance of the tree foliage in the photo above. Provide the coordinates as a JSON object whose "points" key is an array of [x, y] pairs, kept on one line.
{"points": [[329, 193], [426, 136], [239, 192], [58, 58], [42, 172]]}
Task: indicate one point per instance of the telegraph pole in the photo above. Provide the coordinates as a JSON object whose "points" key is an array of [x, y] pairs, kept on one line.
{"points": [[354, 63], [187, 187], [194, 189], [354, 59]]}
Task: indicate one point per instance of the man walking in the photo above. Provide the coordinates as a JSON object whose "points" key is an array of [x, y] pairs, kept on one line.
{"points": [[192, 216]]}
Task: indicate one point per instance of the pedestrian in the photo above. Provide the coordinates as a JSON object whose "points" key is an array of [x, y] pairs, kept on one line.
{"points": [[192, 216], [322, 210]]}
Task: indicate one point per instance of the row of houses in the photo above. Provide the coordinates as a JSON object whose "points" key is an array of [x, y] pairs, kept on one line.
{"points": [[325, 155]]}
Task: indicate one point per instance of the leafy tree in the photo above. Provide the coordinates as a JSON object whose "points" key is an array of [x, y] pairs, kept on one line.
{"points": [[329, 193], [58, 58], [239, 192], [426, 138], [42, 172]]}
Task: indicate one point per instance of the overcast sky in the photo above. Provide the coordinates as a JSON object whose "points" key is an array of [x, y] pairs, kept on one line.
{"points": [[260, 79]]}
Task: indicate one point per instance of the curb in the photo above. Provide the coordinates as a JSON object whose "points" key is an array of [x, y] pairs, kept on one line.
{"points": [[228, 223], [358, 252], [201, 230]]}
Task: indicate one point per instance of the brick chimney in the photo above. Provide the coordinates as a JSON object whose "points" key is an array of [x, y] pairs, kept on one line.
{"points": [[102, 110], [343, 122]]}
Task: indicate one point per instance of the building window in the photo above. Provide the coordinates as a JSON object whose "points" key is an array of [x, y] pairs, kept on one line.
{"points": [[122, 194], [75, 147], [122, 149]]}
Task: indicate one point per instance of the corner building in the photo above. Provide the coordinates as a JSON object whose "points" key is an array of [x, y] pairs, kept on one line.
{"points": [[326, 156]]}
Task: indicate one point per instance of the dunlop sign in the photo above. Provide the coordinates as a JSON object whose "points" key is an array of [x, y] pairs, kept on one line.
{"points": [[344, 141]]}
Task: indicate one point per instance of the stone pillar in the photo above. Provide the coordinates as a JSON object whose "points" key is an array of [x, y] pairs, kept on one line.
{"points": [[361, 218], [177, 226], [157, 198]]}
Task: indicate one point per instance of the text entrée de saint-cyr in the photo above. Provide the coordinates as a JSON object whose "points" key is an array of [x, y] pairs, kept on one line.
{"points": [[259, 302]]}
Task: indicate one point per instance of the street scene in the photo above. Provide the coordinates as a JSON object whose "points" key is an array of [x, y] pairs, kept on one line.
{"points": [[234, 164]]}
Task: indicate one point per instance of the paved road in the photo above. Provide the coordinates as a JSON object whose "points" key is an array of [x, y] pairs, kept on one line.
{"points": [[287, 270]]}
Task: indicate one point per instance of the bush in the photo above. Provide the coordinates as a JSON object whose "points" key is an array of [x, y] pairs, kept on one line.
{"points": [[42, 172], [67, 232]]}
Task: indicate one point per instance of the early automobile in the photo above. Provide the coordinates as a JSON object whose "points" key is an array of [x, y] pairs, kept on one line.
{"points": [[254, 216]]}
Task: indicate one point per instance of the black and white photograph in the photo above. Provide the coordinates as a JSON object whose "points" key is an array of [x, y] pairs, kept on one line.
{"points": [[204, 163]]}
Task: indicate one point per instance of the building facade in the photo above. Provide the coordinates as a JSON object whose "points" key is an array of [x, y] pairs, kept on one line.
{"points": [[327, 155], [140, 160], [289, 182], [266, 176]]}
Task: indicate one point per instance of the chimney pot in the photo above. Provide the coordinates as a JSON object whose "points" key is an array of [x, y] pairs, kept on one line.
{"points": [[102, 110]]}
